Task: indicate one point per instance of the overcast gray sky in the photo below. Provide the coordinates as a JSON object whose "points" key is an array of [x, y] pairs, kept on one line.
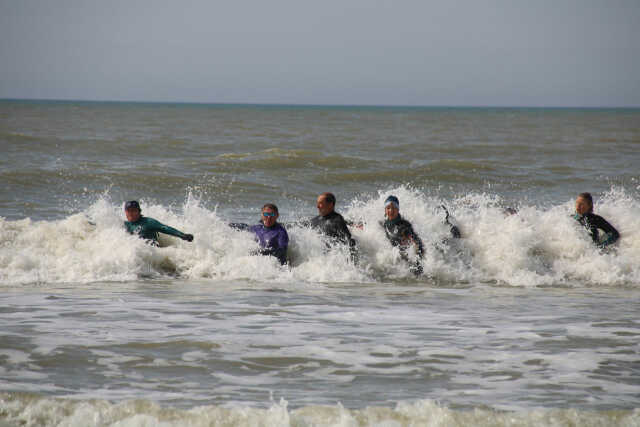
{"points": [[403, 52]]}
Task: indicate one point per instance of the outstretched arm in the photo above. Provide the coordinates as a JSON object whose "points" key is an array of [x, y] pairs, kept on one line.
{"points": [[161, 228], [239, 225], [455, 231]]}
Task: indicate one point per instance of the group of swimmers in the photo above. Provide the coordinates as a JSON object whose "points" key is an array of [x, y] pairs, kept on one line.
{"points": [[273, 238]]}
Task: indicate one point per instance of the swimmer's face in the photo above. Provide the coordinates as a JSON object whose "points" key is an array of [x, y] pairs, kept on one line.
{"points": [[583, 206], [324, 207], [269, 217], [133, 214], [391, 212]]}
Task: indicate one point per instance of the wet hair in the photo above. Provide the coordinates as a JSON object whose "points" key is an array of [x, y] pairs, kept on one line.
{"points": [[270, 206], [588, 198], [329, 197]]}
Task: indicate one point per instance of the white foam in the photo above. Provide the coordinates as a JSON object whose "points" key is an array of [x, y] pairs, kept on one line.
{"points": [[538, 246], [32, 411]]}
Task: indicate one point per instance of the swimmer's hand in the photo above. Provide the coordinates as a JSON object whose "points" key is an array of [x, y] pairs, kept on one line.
{"points": [[188, 237]]}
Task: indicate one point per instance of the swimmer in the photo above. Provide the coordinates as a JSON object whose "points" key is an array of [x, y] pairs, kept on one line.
{"points": [[400, 233], [592, 222], [148, 228], [271, 236], [331, 224]]}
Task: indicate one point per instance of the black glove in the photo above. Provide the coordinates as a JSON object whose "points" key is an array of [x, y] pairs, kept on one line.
{"points": [[188, 237]]}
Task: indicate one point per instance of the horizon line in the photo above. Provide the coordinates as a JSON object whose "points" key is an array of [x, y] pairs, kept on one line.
{"points": [[282, 104]]}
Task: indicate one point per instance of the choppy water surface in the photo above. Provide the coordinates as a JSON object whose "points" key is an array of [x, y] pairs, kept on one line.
{"points": [[521, 322]]}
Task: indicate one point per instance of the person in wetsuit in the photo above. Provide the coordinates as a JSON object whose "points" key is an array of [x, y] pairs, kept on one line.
{"points": [[272, 236], [592, 222], [331, 224], [148, 228], [400, 233]]}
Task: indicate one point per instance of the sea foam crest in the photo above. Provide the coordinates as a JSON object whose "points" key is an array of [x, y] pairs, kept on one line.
{"points": [[527, 246], [30, 410]]}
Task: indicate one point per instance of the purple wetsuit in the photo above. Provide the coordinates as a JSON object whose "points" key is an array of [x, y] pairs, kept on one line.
{"points": [[273, 240]]}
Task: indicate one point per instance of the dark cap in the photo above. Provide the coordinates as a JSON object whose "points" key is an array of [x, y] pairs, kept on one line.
{"points": [[394, 200], [132, 204]]}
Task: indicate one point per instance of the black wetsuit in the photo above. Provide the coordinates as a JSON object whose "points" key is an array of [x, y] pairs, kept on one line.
{"points": [[592, 223], [334, 226], [400, 233]]}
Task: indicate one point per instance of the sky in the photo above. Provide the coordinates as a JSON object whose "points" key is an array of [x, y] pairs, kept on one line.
{"points": [[339, 52]]}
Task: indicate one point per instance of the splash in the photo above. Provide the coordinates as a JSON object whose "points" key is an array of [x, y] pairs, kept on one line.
{"points": [[526, 246], [31, 410]]}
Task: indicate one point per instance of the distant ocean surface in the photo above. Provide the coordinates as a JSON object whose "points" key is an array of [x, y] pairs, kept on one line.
{"points": [[522, 321]]}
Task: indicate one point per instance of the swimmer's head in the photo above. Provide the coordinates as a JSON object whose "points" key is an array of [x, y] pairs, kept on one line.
{"points": [[326, 203], [391, 207], [269, 214], [132, 210], [584, 203]]}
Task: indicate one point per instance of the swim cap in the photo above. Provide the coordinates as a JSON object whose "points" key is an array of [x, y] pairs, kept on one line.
{"points": [[393, 200], [132, 204]]}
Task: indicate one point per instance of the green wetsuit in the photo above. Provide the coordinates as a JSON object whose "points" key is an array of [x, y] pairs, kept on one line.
{"points": [[148, 228]]}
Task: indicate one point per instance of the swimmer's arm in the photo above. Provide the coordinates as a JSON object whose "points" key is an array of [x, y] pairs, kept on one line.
{"points": [[359, 224], [303, 223], [161, 228], [455, 231], [610, 231], [239, 226], [279, 253]]}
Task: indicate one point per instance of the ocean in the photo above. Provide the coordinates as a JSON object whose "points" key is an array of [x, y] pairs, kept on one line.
{"points": [[521, 322]]}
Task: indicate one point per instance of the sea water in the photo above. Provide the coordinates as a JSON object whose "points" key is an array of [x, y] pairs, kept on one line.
{"points": [[523, 321]]}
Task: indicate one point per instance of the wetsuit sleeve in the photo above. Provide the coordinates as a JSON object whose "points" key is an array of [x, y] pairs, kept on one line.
{"points": [[409, 233], [455, 231], [303, 223], [239, 226], [345, 235], [612, 233], [157, 226], [279, 253], [420, 247]]}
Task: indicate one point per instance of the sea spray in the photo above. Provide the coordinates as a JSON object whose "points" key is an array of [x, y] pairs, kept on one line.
{"points": [[523, 246]]}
